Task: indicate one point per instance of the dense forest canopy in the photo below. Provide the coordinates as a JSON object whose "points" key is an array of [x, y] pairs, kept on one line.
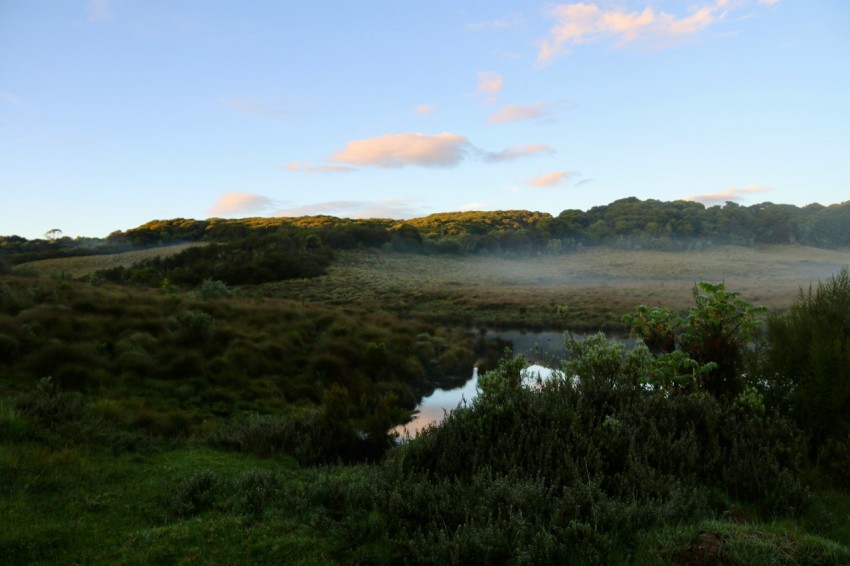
{"points": [[627, 223]]}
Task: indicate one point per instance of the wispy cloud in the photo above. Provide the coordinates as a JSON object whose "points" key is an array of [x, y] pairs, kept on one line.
{"points": [[254, 108], [471, 206], [305, 167], [582, 23], [9, 98], [769, 2], [240, 203], [424, 109], [732, 194], [548, 180], [517, 112], [391, 208], [399, 150], [490, 84], [98, 10], [517, 152]]}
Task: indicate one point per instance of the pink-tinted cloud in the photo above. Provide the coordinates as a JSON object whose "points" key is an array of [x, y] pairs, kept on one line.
{"points": [[239, 203], [517, 152], [548, 180], [305, 167], [424, 109], [726, 195], [585, 23], [399, 150], [517, 112], [490, 84]]}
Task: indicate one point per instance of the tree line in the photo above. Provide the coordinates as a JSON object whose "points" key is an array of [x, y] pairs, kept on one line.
{"points": [[627, 223]]}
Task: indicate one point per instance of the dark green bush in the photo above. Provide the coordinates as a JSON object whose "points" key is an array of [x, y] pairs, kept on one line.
{"points": [[806, 368], [575, 469], [196, 494]]}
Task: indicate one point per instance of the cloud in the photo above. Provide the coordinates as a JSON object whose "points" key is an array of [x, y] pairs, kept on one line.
{"points": [[490, 84], [98, 10], [769, 2], [391, 208], [516, 152], [726, 195], [9, 98], [424, 109], [252, 108], [305, 167], [585, 23], [392, 151], [548, 180], [517, 112], [239, 203], [471, 206]]}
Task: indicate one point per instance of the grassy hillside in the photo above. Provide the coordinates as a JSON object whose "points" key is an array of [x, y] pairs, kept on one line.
{"points": [[249, 424], [594, 288], [83, 266]]}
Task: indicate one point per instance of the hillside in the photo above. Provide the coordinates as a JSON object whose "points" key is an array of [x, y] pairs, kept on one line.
{"points": [[83, 266], [224, 391]]}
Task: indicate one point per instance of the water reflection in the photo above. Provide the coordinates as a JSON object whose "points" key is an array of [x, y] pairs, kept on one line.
{"points": [[541, 348], [433, 408]]}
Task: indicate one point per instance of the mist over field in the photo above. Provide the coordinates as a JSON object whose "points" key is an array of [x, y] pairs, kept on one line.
{"points": [[223, 375], [243, 246]]}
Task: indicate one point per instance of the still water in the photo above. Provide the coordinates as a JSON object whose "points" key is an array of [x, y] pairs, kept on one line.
{"points": [[538, 347], [543, 350]]}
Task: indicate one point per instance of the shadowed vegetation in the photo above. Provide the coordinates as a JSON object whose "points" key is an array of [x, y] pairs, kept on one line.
{"points": [[232, 402]]}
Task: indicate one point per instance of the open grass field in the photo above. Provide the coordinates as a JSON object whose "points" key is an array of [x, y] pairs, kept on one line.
{"points": [[596, 286], [83, 266], [586, 290]]}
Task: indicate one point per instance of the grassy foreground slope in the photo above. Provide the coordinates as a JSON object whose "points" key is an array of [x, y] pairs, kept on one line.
{"points": [[178, 429]]}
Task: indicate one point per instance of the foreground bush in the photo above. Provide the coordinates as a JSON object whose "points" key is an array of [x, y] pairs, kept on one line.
{"points": [[574, 470], [807, 371]]}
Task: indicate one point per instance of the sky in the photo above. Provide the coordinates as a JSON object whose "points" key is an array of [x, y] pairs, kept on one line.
{"points": [[117, 112]]}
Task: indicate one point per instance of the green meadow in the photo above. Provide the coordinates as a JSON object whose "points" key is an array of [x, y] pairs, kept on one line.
{"points": [[232, 403]]}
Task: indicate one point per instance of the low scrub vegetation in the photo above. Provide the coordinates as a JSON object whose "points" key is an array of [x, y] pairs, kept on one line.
{"points": [[170, 363], [186, 420]]}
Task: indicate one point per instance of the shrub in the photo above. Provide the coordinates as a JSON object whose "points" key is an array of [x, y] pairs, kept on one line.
{"points": [[213, 289], [193, 327], [254, 492], [196, 494], [9, 348], [703, 350], [607, 458], [806, 367], [263, 435]]}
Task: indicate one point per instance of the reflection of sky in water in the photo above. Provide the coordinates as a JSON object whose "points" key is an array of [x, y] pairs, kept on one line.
{"points": [[433, 408]]}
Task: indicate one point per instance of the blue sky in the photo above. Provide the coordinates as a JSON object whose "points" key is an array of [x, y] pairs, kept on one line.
{"points": [[116, 112]]}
